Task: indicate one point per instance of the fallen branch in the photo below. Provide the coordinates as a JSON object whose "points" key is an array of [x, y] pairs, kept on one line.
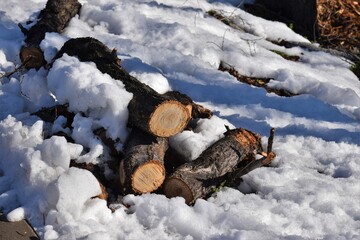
{"points": [[254, 81], [315, 48], [53, 18]]}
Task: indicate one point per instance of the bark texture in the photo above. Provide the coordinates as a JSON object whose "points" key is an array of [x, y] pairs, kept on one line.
{"points": [[53, 18], [142, 170], [198, 178], [162, 115]]}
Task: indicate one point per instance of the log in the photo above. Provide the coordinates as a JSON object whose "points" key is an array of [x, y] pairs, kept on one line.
{"points": [[53, 18], [197, 111], [98, 174], [162, 115], [196, 179], [142, 170], [50, 114]]}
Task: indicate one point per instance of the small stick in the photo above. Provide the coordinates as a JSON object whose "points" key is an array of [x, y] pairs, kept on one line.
{"points": [[16, 69], [265, 160], [270, 140], [227, 128]]}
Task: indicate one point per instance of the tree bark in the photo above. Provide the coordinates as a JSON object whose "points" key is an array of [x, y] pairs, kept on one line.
{"points": [[142, 170], [162, 115], [198, 178], [53, 18]]}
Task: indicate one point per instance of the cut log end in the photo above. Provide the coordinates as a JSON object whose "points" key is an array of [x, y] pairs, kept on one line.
{"points": [[32, 57], [169, 118], [148, 177], [175, 187]]}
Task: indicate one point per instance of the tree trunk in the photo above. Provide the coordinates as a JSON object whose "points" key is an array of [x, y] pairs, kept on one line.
{"points": [[53, 18], [161, 115], [142, 170], [198, 178]]}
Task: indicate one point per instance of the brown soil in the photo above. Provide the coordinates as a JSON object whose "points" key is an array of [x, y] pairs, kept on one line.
{"points": [[16, 230]]}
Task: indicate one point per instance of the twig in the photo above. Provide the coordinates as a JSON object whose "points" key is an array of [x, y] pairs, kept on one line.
{"points": [[16, 69], [264, 161], [270, 140]]}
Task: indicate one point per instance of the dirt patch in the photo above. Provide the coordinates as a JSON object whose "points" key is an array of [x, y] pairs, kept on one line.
{"points": [[16, 230]]}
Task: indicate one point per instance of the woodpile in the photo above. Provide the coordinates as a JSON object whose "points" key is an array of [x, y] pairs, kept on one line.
{"points": [[153, 118]]}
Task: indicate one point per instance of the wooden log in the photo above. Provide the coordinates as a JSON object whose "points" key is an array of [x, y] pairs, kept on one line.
{"points": [[142, 170], [98, 174], [53, 18], [50, 114], [161, 115], [158, 115], [198, 178]]}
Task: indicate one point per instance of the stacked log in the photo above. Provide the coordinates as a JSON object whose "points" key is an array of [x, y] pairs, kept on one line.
{"points": [[142, 170], [153, 118]]}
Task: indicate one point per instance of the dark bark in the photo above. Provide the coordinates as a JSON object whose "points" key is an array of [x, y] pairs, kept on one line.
{"points": [[198, 178], [162, 115], [110, 143], [50, 114], [53, 18], [142, 170]]}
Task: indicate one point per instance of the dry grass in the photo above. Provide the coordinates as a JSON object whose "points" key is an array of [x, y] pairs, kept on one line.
{"points": [[339, 24]]}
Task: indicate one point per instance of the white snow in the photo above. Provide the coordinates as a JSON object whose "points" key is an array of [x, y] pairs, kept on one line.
{"points": [[311, 190]]}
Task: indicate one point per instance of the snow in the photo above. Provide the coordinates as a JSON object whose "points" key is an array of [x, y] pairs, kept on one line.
{"points": [[311, 190]]}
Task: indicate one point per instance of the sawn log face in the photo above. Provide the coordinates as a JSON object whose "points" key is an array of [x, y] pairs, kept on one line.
{"points": [[142, 170]]}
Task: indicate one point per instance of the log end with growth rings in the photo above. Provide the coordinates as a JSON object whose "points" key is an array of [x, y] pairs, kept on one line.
{"points": [[148, 177], [169, 118], [175, 187], [32, 57]]}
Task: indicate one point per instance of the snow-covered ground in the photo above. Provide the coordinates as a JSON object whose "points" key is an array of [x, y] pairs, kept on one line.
{"points": [[311, 190]]}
